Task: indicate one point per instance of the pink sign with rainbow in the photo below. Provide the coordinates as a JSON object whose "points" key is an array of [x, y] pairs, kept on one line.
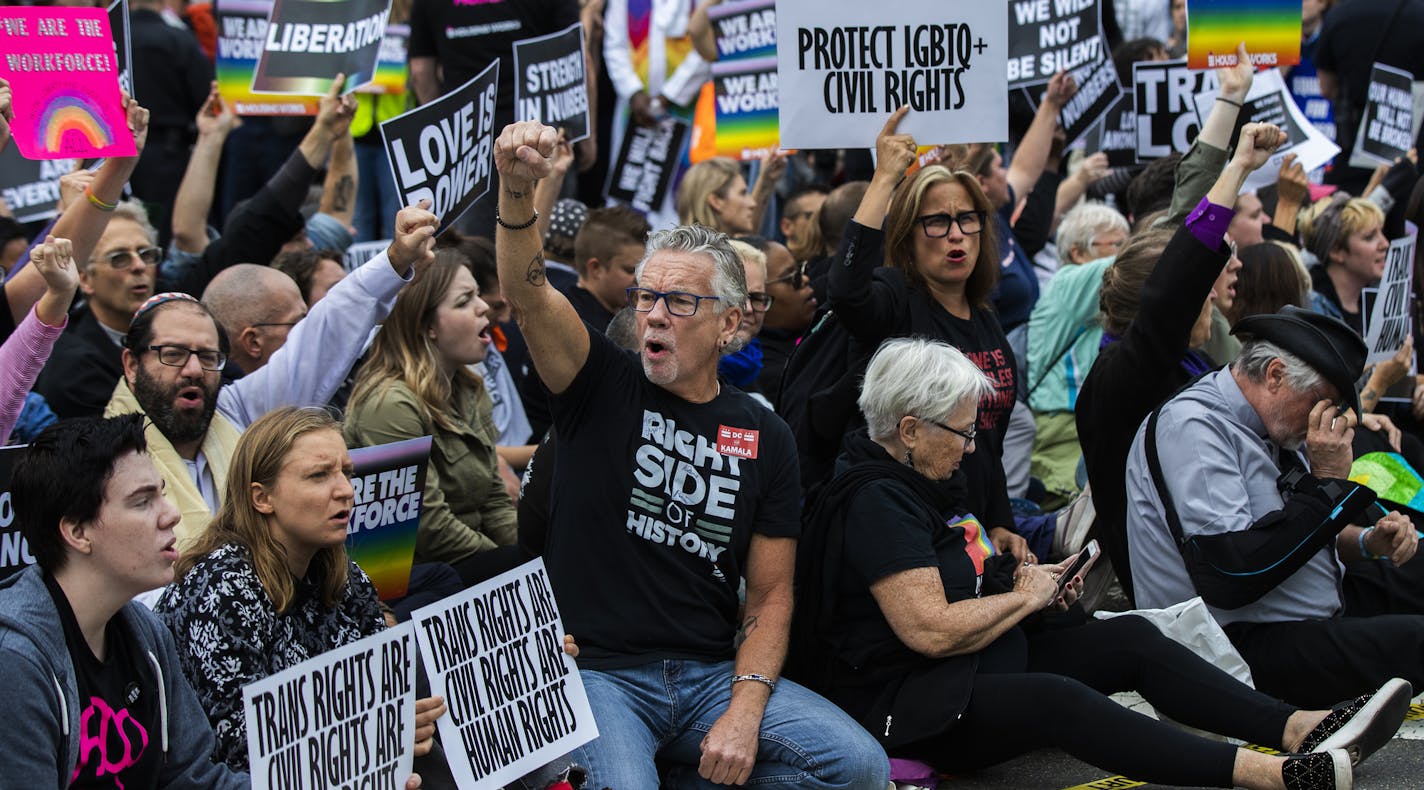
{"points": [[64, 81]]}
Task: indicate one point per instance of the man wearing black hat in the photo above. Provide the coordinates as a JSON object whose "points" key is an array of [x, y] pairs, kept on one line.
{"points": [[1238, 491]]}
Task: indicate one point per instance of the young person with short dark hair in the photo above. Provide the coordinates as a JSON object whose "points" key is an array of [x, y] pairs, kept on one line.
{"points": [[93, 676]]}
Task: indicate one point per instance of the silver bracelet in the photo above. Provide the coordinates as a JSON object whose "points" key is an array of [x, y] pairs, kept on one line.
{"points": [[770, 682]]}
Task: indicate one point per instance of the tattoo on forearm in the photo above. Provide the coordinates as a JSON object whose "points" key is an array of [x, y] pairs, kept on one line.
{"points": [[745, 631], [514, 193], [345, 189], [1369, 394], [535, 273]]}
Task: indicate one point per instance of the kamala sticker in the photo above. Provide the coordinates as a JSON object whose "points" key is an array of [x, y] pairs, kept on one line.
{"points": [[737, 442]]}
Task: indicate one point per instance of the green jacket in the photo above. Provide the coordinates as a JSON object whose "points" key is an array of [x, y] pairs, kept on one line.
{"points": [[466, 508]]}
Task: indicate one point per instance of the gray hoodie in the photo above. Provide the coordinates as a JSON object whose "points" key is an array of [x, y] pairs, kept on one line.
{"points": [[41, 696]]}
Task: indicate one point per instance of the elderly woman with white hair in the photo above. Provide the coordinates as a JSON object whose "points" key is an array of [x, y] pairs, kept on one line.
{"points": [[909, 620], [1090, 231]]}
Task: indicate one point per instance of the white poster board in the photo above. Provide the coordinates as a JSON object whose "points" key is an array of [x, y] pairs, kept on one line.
{"points": [[843, 67], [495, 653], [1388, 323], [1269, 101], [345, 718]]}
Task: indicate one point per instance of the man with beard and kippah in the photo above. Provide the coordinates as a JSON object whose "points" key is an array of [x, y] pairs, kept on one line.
{"points": [[174, 354]]}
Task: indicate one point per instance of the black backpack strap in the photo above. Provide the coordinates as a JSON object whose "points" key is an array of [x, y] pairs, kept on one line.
{"points": [[1154, 465]]}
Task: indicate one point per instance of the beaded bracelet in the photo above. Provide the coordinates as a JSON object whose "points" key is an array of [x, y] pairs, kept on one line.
{"points": [[96, 202], [770, 683], [507, 226]]}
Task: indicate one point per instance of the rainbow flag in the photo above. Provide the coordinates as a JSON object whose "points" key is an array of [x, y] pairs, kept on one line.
{"points": [[1270, 28], [747, 101], [390, 488]]}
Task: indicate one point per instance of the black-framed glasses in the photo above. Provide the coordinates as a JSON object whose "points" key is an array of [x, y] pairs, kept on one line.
{"points": [[797, 277], [177, 356], [761, 301], [679, 303], [122, 259], [288, 324], [937, 225], [967, 436]]}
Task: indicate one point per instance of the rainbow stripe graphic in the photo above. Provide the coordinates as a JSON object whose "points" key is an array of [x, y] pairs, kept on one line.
{"points": [[747, 104], [1270, 28], [391, 72], [242, 27], [386, 550], [976, 541], [68, 113]]}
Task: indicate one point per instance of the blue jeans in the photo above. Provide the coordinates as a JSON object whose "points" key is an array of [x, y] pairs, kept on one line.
{"points": [[377, 200], [663, 710]]}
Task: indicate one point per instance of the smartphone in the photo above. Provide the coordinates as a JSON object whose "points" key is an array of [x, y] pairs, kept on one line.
{"points": [[1085, 558]]}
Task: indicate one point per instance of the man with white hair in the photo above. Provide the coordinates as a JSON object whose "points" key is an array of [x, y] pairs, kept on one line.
{"points": [[672, 489], [1238, 491]]}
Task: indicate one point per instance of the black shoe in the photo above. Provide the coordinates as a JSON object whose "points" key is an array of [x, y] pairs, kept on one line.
{"points": [[1362, 726], [1319, 771]]}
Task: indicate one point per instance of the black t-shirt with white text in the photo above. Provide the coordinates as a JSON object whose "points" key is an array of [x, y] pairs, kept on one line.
{"points": [[119, 728], [656, 505]]}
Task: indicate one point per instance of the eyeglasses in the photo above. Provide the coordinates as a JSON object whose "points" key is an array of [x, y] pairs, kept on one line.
{"points": [[121, 259], [177, 356], [679, 303], [288, 324], [937, 225], [1113, 244], [797, 277], [967, 436], [761, 301]]}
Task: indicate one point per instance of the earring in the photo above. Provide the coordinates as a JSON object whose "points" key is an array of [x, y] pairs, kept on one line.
{"points": [[910, 458]]}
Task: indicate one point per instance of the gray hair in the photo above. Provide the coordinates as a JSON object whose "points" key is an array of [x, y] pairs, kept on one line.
{"points": [[134, 212], [1256, 355], [916, 377], [1084, 221], [729, 279]]}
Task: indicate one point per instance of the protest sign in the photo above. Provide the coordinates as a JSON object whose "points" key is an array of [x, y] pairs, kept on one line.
{"points": [[1270, 28], [345, 718], [1268, 101], [1116, 134], [444, 151], [14, 549], [363, 251], [242, 32], [1385, 127], [64, 83], [495, 654], [1098, 90], [392, 72], [1164, 94], [1049, 36], [550, 83], [1389, 318], [1304, 86], [380, 537], [309, 42], [123, 50], [842, 68], [744, 30], [746, 100], [31, 186], [643, 169]]}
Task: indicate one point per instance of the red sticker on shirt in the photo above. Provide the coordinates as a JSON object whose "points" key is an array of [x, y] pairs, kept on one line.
{"points": [[737, 442]]}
